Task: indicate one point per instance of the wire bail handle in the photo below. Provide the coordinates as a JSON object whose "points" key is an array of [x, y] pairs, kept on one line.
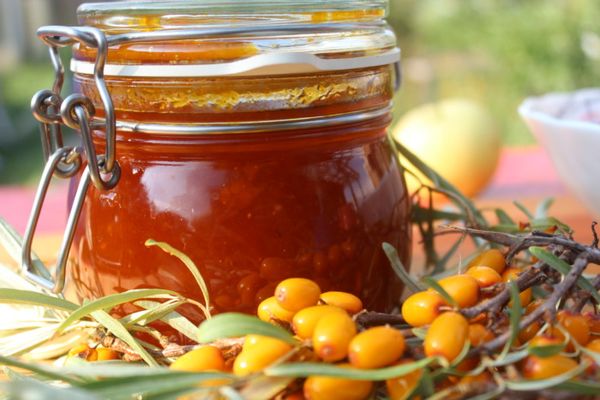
{"points": [[77, 112]]}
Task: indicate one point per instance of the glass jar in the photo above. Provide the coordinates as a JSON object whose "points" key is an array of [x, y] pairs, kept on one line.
{"points": [[251, 136]]}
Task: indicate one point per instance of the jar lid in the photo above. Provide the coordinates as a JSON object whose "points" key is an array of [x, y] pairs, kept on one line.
{"points": [[237, 37]]}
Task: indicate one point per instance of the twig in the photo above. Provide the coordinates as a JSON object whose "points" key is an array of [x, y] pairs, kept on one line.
{"points": [[547, 309], [595, 234], [529, 240], [372, 318], [530, 277], [585, 297]]}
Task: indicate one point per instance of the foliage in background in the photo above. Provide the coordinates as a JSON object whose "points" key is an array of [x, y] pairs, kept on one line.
{"points": [[497, 51]]}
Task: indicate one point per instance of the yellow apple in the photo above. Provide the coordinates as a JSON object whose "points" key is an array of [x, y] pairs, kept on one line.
{"points": [[455, 137]]}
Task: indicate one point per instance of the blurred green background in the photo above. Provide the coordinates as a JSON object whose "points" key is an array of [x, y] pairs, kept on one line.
{"points": [[494, 51]]}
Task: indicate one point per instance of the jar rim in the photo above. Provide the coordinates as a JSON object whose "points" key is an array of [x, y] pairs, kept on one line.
{"points": [[222, 6]]}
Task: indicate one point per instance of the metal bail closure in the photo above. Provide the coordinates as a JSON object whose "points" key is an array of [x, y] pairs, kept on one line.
{"points": [[56, 282]]}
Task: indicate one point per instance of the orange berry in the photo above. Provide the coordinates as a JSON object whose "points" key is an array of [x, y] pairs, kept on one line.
{"points": [[511, 274], [105, 354], [527, 333], [84, 352], [485, 276], [205, 358], [345, 300], [464, 289], [330, 388], [376, 347], [269, 310], [305, 320], [402, 387], [492, 258], [446, 336], [593, 321], [479, 334], [483, 377], [332, 335], [594, 346], [576, 325], [535, 367], [258, 352], [294, 294], [422, 308], [545, 340]]}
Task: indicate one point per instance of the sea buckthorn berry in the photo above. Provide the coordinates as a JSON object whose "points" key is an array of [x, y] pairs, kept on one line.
{"points": [[105, 354], [545, 340], [422, 308], [492, 258], [305, 320], [332, 335], [485, 276], [479, 334], [84, 352], [376, 347], [258, 352], [511, 274], [576, 325], [402, 388], [594, 346], [205, 358], [330, 388], [535, 367], [529, 332], [473, 379], [345, 300], [593, 321], [446, 336], [464, 289], [269, 310], [294, 294]]}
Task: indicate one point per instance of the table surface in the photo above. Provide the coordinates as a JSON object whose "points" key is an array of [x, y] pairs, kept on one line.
{"points": [[525, 174]]}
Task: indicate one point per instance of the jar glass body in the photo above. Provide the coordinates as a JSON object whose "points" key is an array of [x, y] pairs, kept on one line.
{"points": [[249, 208]]}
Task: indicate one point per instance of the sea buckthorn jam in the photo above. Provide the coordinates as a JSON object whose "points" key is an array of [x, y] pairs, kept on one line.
{"points": [[257, 147]]}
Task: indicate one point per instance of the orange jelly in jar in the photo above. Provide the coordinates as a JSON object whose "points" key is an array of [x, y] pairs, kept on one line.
{"points": [[253, 138]]}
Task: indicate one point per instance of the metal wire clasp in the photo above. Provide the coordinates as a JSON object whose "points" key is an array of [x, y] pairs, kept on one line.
{"points": [[77, 112]]}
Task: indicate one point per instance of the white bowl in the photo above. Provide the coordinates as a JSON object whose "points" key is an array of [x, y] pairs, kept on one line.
{"points": [[568, 126]]}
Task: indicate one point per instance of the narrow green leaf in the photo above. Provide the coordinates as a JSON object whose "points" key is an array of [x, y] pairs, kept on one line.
{"points": [[191, 266], [151, 314], [542, 209], [18, 296], [541, 224], [230, 393], [545, 351], [117, 329], [523, 209], [590, 388], [42, 370], [236, 325], [108, 302], [426, 385], [174, 320], [593, 355], [399, 268], [564, 268], [422, 214], [503, 217], [515, 313], [146, 385], [13, 243], [508, 359], [110, 369], [264, 387], [432, 283], [32, 389], [305, 369], [534, 385]]}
